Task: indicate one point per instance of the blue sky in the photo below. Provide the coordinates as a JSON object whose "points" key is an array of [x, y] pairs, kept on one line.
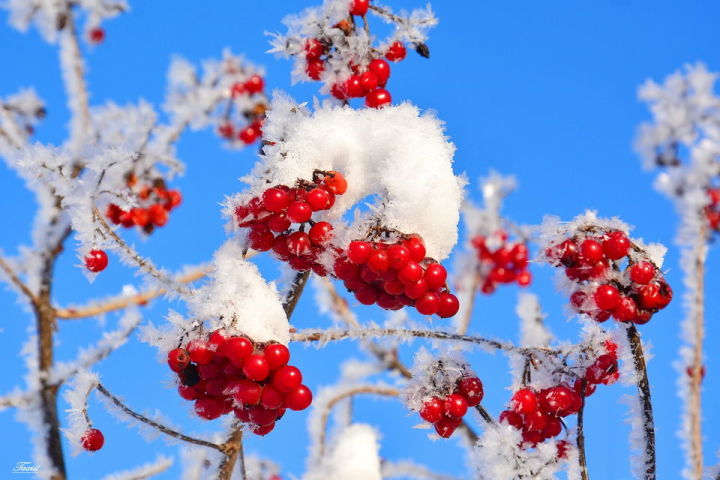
{"points": [[542, 90]]}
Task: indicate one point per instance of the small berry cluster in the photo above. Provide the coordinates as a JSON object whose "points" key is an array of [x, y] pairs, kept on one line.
{"points": [[501, 261], [248, 97], [538, 414], [232, 374], [593, 261], [712, 210], [334, 56], [446, 413], [155, 202], [397, 274], [92, 440], [271, 216]]}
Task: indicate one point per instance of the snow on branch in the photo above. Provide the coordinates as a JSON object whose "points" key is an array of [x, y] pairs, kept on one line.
{"points": [[148, 470], [354, 456]]}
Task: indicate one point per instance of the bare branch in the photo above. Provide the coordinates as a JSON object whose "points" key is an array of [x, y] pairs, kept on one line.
{"points": [[296, 289], [154, 424], [15, 280], [643, 386], [581, 434]]}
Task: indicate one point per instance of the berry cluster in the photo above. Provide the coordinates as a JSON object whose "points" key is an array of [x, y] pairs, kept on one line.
{"points": [[92, 440], [248, 98], [446, 413], [271, 216], [538, 414], [712, 210], [336, 55], [594, 260], [232, 374], [155, 202], [501, 261], [396, 274]]}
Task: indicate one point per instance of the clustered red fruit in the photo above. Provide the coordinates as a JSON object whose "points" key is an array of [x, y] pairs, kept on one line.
{"points": [[538, 414], [712, 210], [594, 262], [92, 440], [281, 220], [253, 111], [501, 261], [394, 275], [155, 202], [369, 77], [96, 260], [446, 413], [232, 374]]}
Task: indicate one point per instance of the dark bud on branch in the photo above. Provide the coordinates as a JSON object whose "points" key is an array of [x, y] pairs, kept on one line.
{"points": [[422, 49]]}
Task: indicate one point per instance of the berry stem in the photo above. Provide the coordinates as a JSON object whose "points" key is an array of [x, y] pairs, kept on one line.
{"points": [[166, 430], [485, 415], [643, 386], [580, 440]]}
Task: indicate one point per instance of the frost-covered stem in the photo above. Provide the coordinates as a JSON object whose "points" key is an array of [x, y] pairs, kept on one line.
{"points": [[580, 440], [370, 389], [73, 72], [382, 12], [143, 263], [296, 289], [162, 428], [126, 301], [484, 414], [312, 335], [233, 449], [694, 407], [645, 402], [16, 281], [469, 305]]}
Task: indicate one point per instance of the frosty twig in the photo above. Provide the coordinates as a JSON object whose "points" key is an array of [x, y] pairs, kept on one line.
{"points": [[16, 280], [643, 386]]}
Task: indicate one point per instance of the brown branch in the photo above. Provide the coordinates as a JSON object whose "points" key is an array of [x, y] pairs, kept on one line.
{"points": [[580, 440], [121, 302], [16, 281], [644, 393], [370, 389], [162, 428]]}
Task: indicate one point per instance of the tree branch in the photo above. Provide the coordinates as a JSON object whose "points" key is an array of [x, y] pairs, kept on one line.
{"points": [[643, 386], [296, 289], [162, 428], [15, 280], [580, 440]]}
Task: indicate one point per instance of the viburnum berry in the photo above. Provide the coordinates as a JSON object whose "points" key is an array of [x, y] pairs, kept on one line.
{"points": [[209, 408], [298, 399], [320, 233], [200, 352], [446, 426], [642, 272], [435, 276], [92, 440], [381, 69], [275, 199], [96, 35], [524, 401], [559, 401], [287, 379], [616, 245], [359, 7], [396, 52], [336, 183], [299, 212], [432, 410], [314, 49], [369, 81], [455, 406], [378, 98], [535, 421], [96, 260], [237, 350], [591, 251], [277, 355], [471, 388], [178, 359], [314, 68], [254, 84], [249, 134], [449, 305], [354, 87], [245, 392], [606, 297], [428, 304], [511, 418], [262, 430], [318, 199], [256, 367]]}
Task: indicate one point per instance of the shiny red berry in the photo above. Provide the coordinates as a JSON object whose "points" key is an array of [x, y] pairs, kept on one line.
{"points": [[369, 81], [255, 84], [472, 389], [378, 98], [96, 260], [299, 212], [511, 418], [432, 410], [320, 233], [256, 367], [591, 251], [378, 261], [298, 399], [245, 392], [606, 297], [314, 68], [287, 379], [200, 352], [524, 401], [318, 199], [277, 355], [616, 245], [209, 408], [92, 440], [449, 305], [236, 349], [396, 52], [446, 426], [298, 243], [275, 199], [455, 406], [417, 249], [359, 7], [178, 359], [642, 272], [428, 304], [358, 252], [381, 69], [96, 35]]}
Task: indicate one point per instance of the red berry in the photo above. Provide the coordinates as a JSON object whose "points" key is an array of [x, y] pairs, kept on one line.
{"points": [[449, 305], [428, 304], [287, 379], [411, 273], [616, 245], [236, 349], [336, 183], [298, 243], [96, 260], [320, 233], [625, 310], [314, 49], [245, 392], [417, 249], [249, 134], [558, 401], [277, 355], [524, 278], [318, 199], [398, 256], [642, 273], [209, 408], [354, 87], [92, 440], [262, 430], [606, 297], [254, 84], [367, 295], [381, 69], [446, 426], [524, 401], [96, 35], [358, 252], [256, 367], [271, 398], [432, 410], [378, 261], [396, 52], [378, 98], [589, 387], [314, 68], [552, 428], [278, 222], [562, 449], [435, 276], [298, 399], [178, 359], [200, 352], [604, 370], [188, 393], [591, 251], [261, 416], [261, 239], [472, 389], [455, 406], [511, 418], [299, 212], [416, 290], [369, 81], [535, 421], [359, 7], [275, 199]]}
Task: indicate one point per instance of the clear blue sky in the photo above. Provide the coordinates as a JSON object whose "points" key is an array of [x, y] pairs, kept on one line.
{"points": [[543, 90]]}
